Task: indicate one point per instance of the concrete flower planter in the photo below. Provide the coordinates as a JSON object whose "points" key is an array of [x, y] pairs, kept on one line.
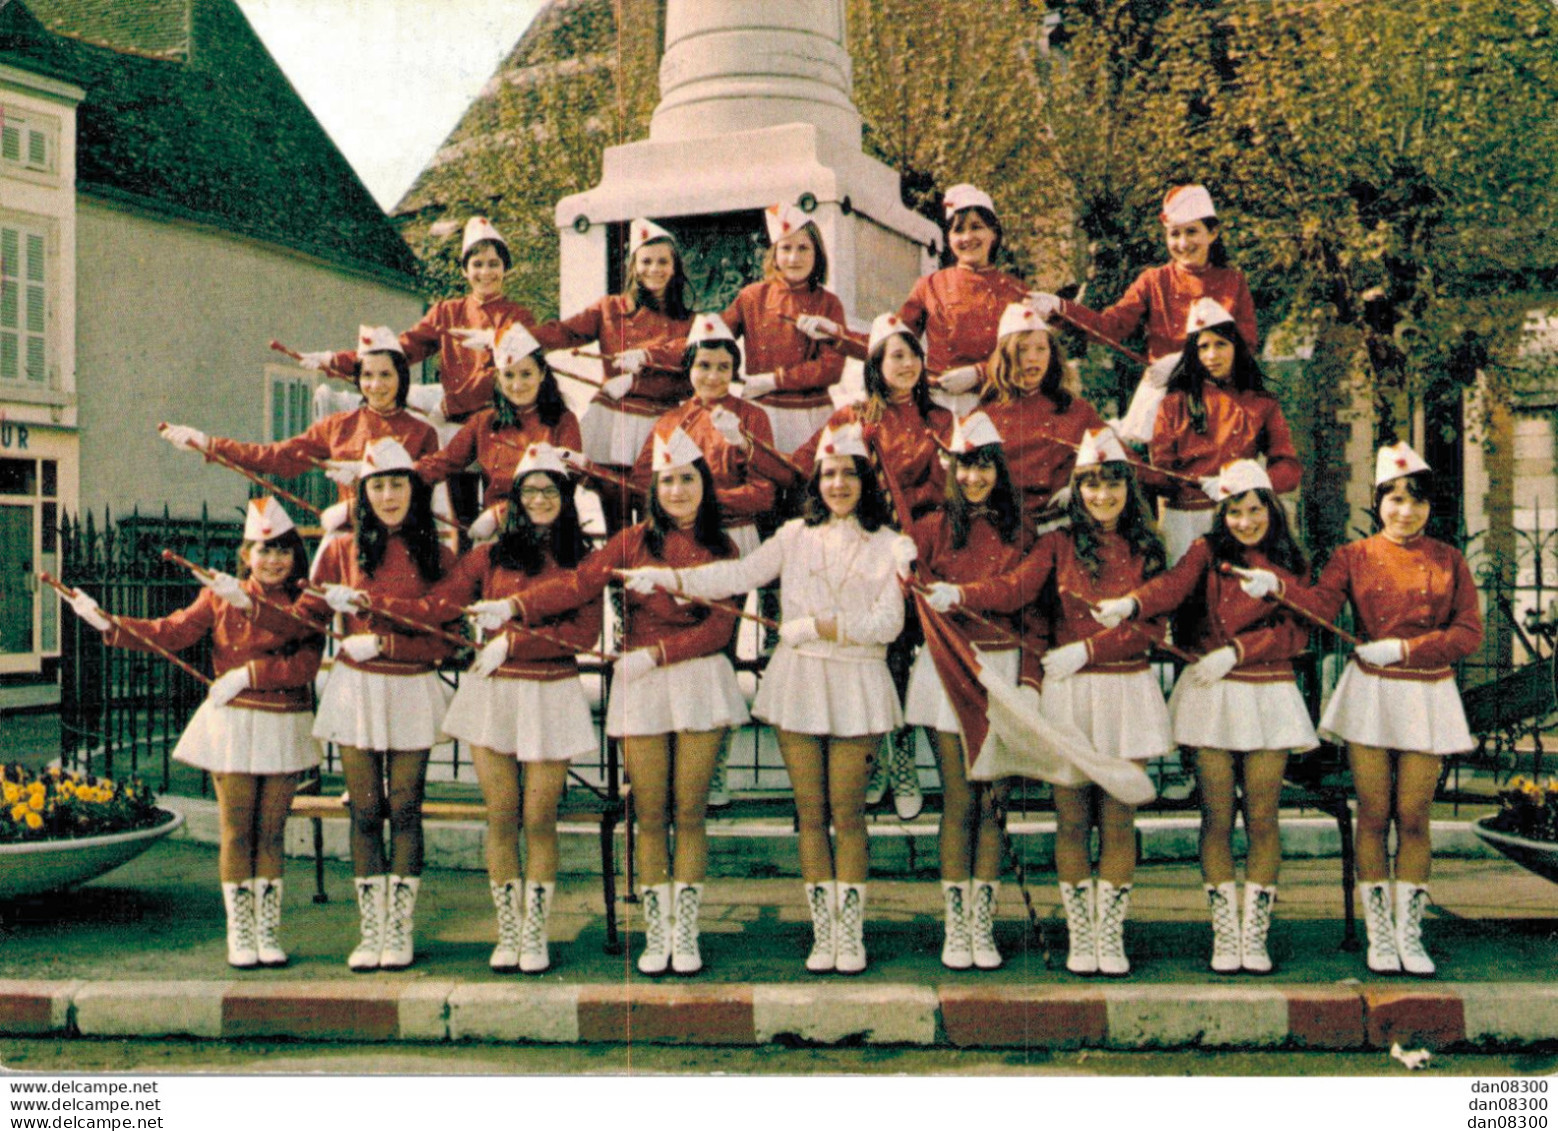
{"points": [[49, 865], [1540, 856]]}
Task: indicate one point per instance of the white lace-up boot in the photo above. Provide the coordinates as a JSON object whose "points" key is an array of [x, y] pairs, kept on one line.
{"points": [[655, 900], [849, 928], [1223, 899], [1380, 924], [267, 922], [1259, 902], [238, 899], [400, 902], [820, 901], [957, 948], [506, 901], [370, 910], [1411, 899], [908, 798], [1114, 905], [1076, 900], [534, 956], [981, 924], [686, 958]]}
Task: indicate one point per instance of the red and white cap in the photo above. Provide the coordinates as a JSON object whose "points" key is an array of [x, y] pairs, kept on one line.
{"points": [[479, 228], [1018, 319], [643, 231], [1185, 203], [959, 197], [708, 328], [783, 220], [1206, 312], [1099, 446], [541, 457], [843, 440], [265, 520], [516, 343], [1397, 460], [675, 450], [384, 456], [1240, 476], [976, 430], [378, 339], [884, 326]]}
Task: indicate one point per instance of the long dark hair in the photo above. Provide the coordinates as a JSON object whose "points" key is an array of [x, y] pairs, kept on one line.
{"points": [[402, 373], [418, 531], [524, 546], [877, 393], [819, 267], [1190, 375], [948, 258], [1278, 544], [675, 305], [1001, 375], [1135, 524], [873, 511], [708, 528], [292, 541], [549, 402], [1001, 505]]}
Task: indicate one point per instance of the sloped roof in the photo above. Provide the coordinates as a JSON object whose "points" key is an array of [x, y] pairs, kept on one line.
{"points": [[27, 44], [186, 114]]}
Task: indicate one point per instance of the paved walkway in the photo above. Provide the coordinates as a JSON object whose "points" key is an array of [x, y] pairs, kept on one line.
{"points": [[140, 953]]}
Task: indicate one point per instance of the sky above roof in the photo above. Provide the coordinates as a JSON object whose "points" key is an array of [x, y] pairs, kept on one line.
{"points": [[388, 79]]}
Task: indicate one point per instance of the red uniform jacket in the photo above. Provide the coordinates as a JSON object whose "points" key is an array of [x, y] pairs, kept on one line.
{"points": [[908, 445], [477, 575], [1421, 593], [1238, 426], [466, 375], [339, 436], [676, 631], [617, 329], [498, 451], [1054, 561], [959, 311], [281, 654], [982, 555], [743, 482], [1040, 443], [1265, 635], [403, 651], [1163, 296]]}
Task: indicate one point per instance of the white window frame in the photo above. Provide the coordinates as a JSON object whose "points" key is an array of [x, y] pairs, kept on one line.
{"points": [[29, 128], [15, 276]]}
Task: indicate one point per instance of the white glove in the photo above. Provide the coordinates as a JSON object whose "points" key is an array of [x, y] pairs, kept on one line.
{"points": [[758, 385], [1258, 583], [1382, 653], [631, 361], [617, 387], [225, 687], [316, 359], [632, 665], [959, 380], [1045, 305], [943, 596], [344, 599], [728, 425], [362, 647], [1065, 661], [491, 615], [341, 471], [1060, 499], [492, 656], [647, 579], [335, 516], [183, 438], [485, 526], [818, 328], [576, 460], [474, 339], [904, 555], [228, 588], [1213, 666], [1158, 372], [798, 630], [1112, 610], [90, 611], [1209, 487]]}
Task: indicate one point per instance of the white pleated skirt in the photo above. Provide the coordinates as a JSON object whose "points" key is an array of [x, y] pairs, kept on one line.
{"points": [[746, 538], [611, 436], [926, 703], [818, 695], [1122, 713], [1421, 716], [373, 711], [242, 740], [1180, 529], [694, 695], [535, 720], [794, 426], [1235, 715]]}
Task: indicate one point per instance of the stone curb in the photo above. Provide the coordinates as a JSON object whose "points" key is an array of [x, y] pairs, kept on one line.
{"points": [[1087, 1015]]}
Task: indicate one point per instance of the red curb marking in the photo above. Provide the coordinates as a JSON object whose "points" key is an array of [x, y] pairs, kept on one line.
{"points": [[1047, 1016], [26, 1013], [1326, 1017], [325, 1010], [1413, 1017], [684, 1015]]}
